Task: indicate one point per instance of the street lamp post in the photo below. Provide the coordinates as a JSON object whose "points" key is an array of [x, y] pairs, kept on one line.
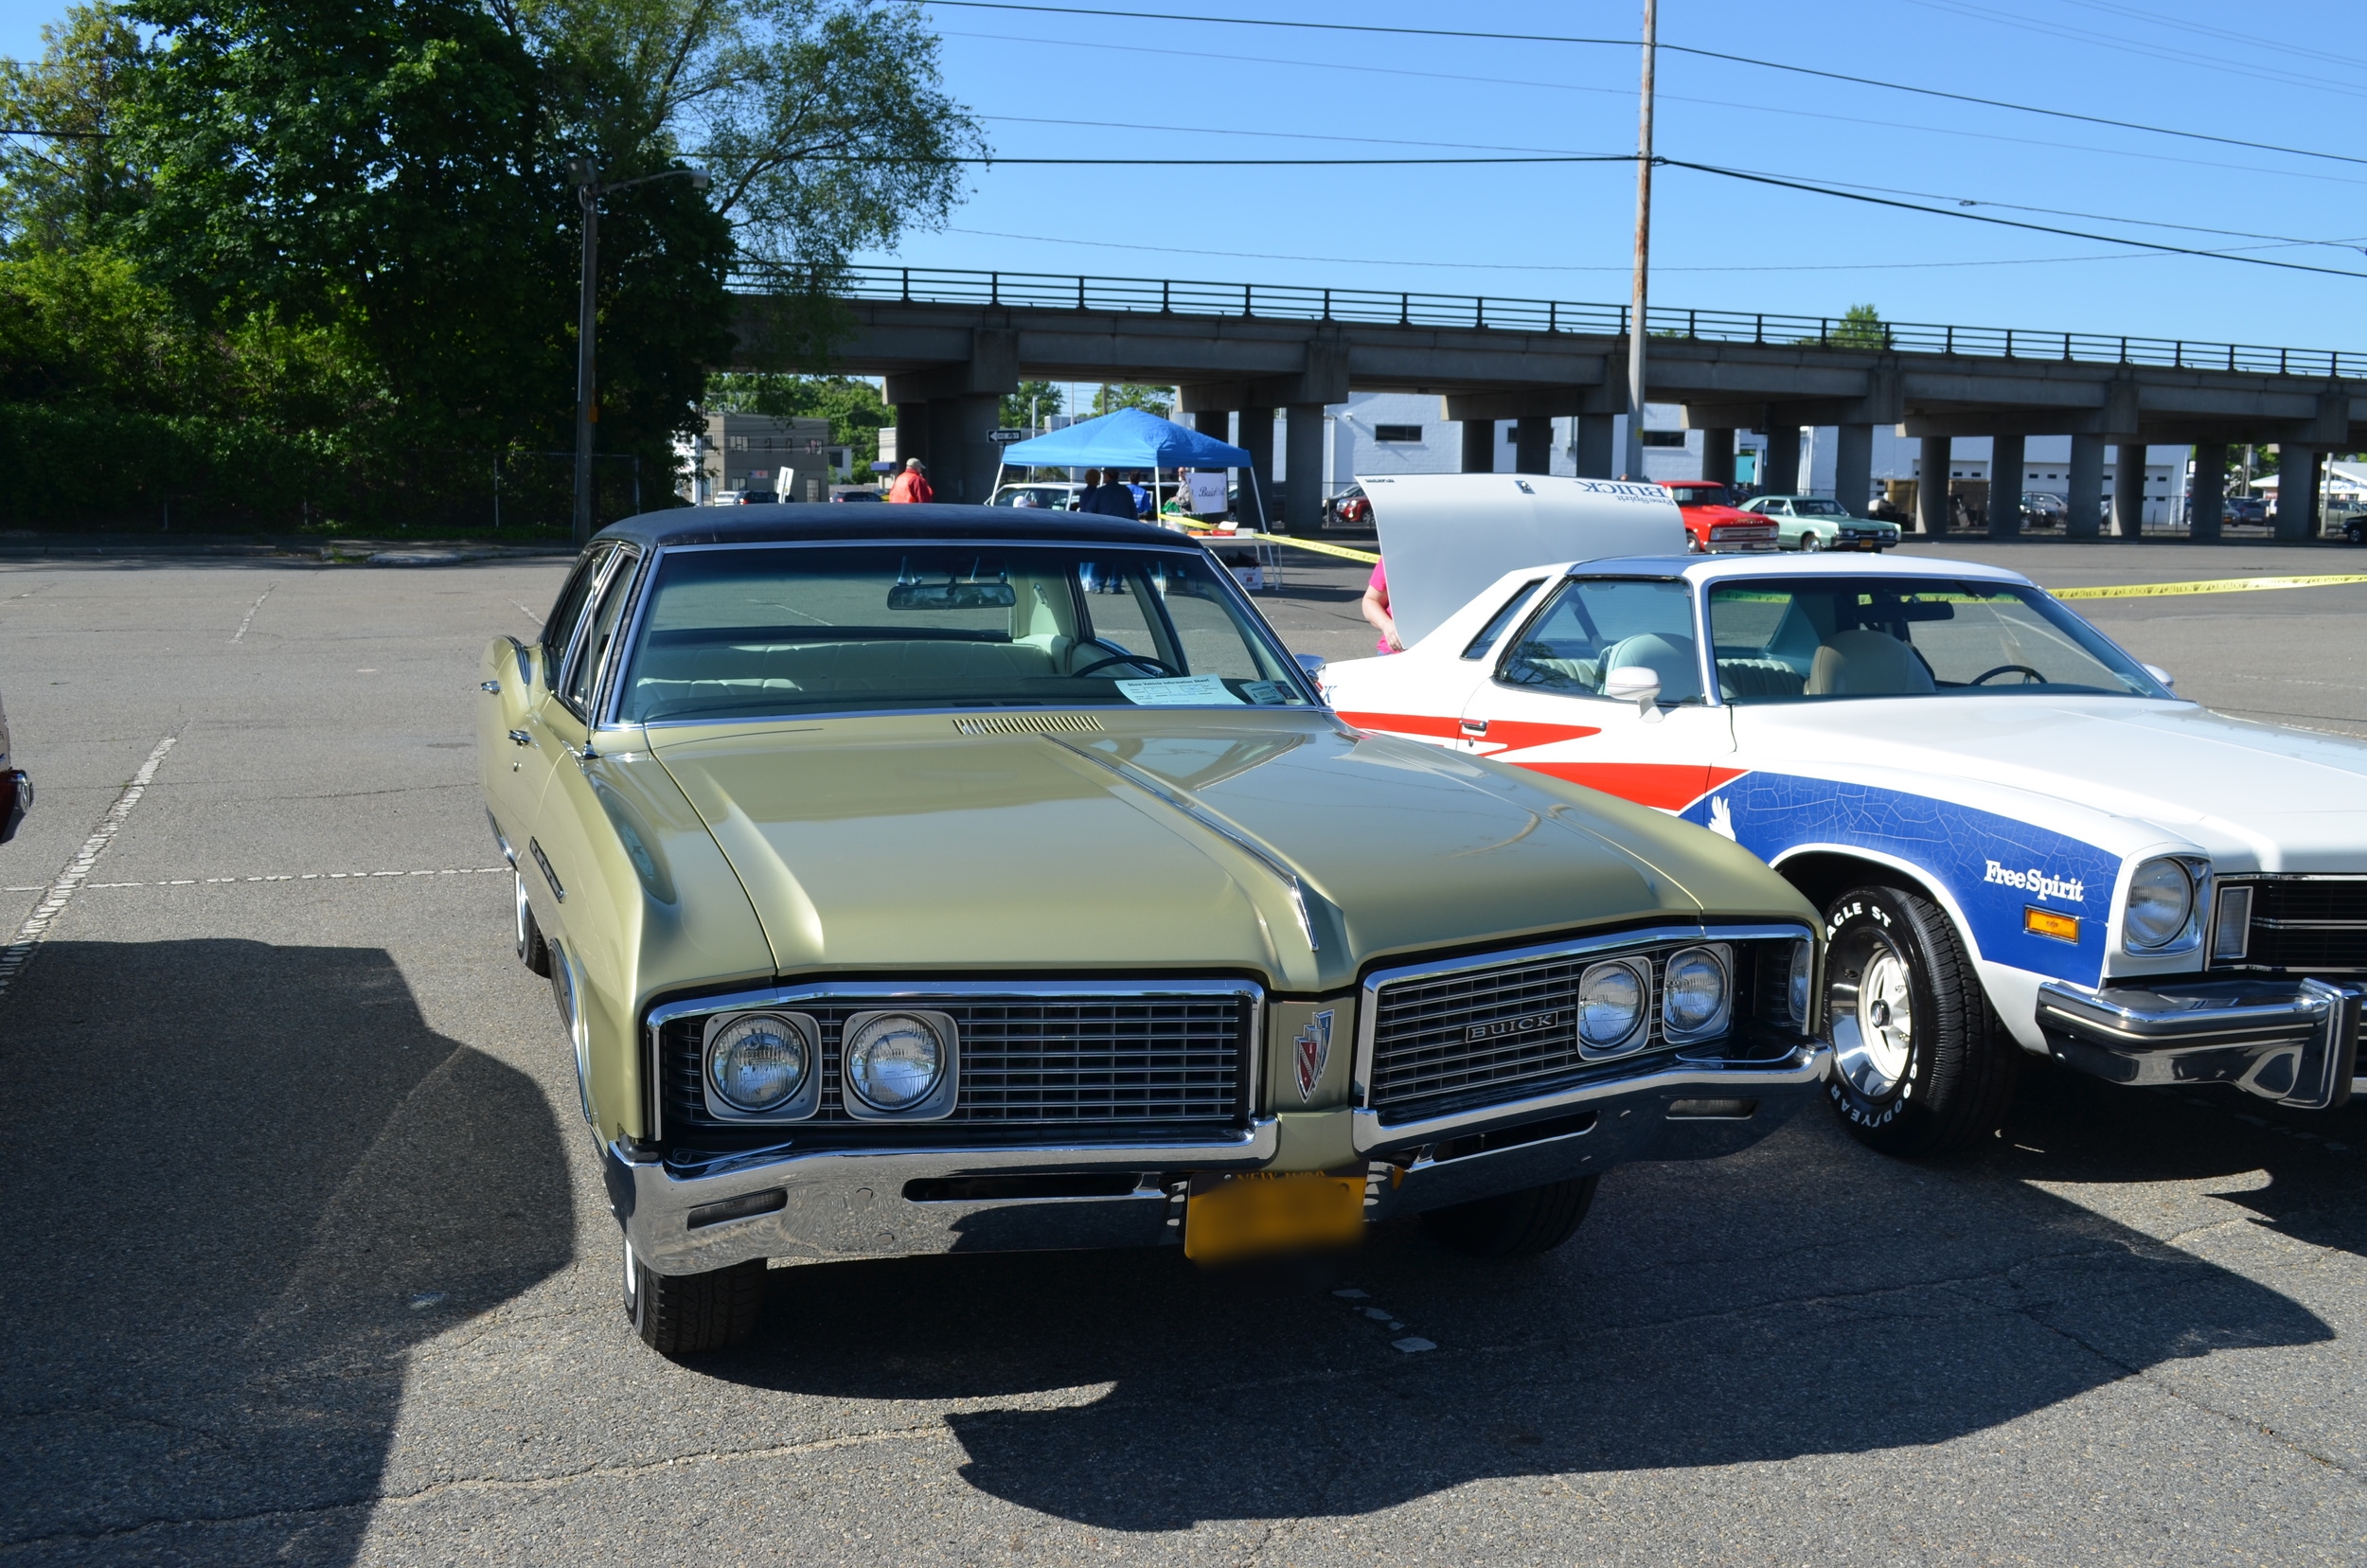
{"points": [[586, 176], [1637, 337]]}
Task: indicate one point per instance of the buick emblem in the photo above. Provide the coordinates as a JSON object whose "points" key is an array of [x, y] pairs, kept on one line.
{"points": [[1314, 1053], [1502, 1028]]}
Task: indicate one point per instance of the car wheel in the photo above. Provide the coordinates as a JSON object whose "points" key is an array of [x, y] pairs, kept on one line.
{"points": [[533, 952], [2354, 532], [1515, 1224], [1809, 542], [692, 1314], [1920, 1064]]}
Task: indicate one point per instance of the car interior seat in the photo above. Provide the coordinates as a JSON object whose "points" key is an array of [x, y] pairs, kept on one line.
{"points": [[1864, 663]]}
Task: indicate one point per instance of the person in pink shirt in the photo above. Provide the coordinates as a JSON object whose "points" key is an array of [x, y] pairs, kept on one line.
{"points": [[1377, 609]]}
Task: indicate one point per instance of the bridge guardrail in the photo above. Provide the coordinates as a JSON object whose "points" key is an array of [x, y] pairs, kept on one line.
{"points": [[1200, 298]]}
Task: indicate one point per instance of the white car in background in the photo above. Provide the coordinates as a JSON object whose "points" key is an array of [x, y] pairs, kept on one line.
{"points": [[2024, 840]]}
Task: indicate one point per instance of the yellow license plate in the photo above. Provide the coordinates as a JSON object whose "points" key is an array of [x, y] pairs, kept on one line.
{"points": [[1268, 1212]]}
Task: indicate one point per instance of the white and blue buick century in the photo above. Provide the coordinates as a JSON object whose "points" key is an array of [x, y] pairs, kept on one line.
{"points": [[2022, 839]]}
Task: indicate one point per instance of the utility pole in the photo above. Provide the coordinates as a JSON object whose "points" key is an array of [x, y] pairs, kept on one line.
{"points": [[586, 177], [1632, 466]]}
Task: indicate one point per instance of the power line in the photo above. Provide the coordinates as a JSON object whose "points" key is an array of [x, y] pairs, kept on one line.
{"points": [[2004, 222], [1672, 48]]}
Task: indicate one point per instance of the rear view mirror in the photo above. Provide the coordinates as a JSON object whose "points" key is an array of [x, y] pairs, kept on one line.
{"points": [[952, 595]]}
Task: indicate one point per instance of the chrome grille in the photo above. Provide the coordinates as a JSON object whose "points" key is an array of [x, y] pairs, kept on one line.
{"points": [[1460, 1037], [1081, 1061], [2311, 924]]}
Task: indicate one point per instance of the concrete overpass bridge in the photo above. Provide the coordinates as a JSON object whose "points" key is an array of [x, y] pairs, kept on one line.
{"points": [[952, 343]]}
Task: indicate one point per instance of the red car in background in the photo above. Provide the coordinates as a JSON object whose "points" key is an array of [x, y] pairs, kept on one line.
{"points": [[1713, 524]]}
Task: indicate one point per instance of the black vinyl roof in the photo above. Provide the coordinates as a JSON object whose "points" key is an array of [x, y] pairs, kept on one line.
{"points": [[873, 522]]}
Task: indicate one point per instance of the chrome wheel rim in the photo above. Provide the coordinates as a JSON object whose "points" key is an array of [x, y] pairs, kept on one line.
{"points": [[1873, 1025], [1809, 542]]}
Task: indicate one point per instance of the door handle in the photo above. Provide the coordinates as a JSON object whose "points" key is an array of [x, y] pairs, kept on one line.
{"points": [[521, 737], [1474, 727]]}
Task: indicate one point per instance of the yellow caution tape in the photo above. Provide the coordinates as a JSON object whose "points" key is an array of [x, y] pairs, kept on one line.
{"points": [[1321, 548], [2215, 586]]}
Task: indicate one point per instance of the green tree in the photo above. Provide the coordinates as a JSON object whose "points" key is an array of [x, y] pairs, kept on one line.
{"points": [[1860, 327], [1035, 401], [59, 191], [1110, 398]]}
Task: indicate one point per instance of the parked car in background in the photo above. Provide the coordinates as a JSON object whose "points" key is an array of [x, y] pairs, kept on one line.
{"points": [[1713, 521], [2023, 840], [856, 492], [1820, 523], [1350, 509], [2244, 508], [1049, 495], [759, 497], [16, 791], [1003, 883], [2044, 509], [2351, 526]]}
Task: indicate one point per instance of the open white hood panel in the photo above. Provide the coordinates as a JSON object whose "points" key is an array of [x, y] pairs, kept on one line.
{"points": [[1447, 536]]}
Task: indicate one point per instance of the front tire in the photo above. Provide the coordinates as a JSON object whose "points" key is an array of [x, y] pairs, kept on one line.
{"points": [[1808, 541], [1515, 1224], [693, 1314], [533, 952], [1920, 1064]]}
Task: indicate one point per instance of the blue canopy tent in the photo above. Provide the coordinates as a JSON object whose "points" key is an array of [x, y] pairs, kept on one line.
{"points": [[1128, 438]]}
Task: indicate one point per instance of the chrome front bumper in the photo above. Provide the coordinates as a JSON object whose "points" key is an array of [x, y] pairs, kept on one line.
{"points": [[2295, 1042], [842, 1202]]}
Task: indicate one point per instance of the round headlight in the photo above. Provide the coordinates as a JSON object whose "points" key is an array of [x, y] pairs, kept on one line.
{"points": [[1803, 970], [758, 1063], [2160, 900], [1610, 1002], [1694, 992], [894, 1061]]}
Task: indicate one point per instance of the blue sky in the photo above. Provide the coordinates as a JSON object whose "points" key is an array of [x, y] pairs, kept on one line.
{"points": [[1079, 86]]}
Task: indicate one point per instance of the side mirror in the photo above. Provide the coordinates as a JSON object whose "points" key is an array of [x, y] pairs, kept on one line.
{"points": [[1312, 664], [1635, 683], [2162, 675]]}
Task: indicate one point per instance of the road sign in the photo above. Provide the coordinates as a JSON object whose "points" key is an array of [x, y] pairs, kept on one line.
{"points": [[1006, 435]]}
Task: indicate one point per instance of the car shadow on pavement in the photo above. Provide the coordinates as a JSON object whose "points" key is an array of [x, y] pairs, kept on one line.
{"points": [[244, 1181], [1804, 1298]]}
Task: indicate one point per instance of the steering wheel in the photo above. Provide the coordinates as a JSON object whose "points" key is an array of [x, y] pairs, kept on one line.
{"points": [[1128, 658], [2008, 669]]}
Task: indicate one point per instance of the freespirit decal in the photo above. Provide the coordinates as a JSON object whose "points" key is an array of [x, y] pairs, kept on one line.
{"points": [[2039, 884]]}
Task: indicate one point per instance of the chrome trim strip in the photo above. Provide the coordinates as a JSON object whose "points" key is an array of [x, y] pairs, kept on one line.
{"points": [[1607, 944], [1800, 1065], [1151, 784], [779, 998]]}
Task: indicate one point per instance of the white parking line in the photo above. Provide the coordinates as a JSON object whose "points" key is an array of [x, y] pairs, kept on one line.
{"points": [[287, 876], [20, 951], [251, 609]]}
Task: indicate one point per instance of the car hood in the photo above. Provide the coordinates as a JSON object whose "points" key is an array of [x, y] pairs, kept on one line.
{"points": [[2257, 797], [1160, 842]]}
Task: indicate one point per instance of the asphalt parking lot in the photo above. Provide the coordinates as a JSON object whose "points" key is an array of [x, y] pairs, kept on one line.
{"points": [[313, 1263]]}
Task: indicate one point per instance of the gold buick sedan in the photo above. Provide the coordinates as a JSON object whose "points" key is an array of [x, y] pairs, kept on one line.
{"points": [[965, 879]]}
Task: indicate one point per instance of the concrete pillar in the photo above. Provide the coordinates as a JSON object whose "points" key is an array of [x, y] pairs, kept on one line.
{"points": [[2084, 507], [1303, 447], [2006, 463], [2297, 494], [2128, 490], [1853, 467], [911, 431], [1590, 445], [1783, 460], [2205, 510], [1257, 441], [975, 416], [1718, 456], [945, 448], [1479, 446], [1533, 444], [1932, 486]]}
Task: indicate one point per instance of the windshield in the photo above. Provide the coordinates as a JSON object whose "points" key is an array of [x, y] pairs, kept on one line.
{"points": [[782, 628], [1781, 640], [1702, 496], [1053, 497]]}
